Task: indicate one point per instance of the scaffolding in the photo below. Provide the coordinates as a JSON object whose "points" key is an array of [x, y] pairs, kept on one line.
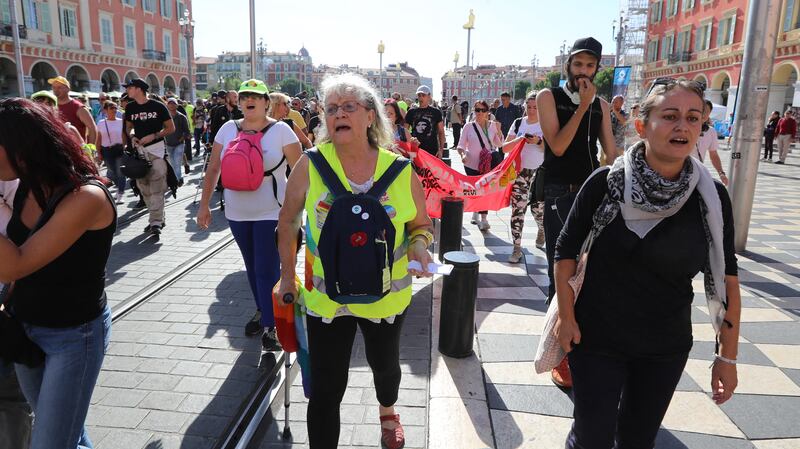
{"points": [[634, 41]]}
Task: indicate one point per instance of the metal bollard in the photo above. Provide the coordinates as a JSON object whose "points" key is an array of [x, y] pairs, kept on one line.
{"points": [[447, 161], [450, 227], [457, 318]]}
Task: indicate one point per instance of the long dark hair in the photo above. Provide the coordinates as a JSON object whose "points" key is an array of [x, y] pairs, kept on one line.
{"points": [[398, 116], [43, 153]]}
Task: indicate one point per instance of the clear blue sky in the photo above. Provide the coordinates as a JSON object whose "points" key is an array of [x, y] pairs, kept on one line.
{"points": [[425, 34]]}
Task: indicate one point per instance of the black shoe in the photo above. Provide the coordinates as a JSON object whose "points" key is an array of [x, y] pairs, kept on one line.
{"points": [[186, 169], [180, 183], [253, 327], [779, 162], [140, 204], [147, 229], [155, 230], [269, 341]]}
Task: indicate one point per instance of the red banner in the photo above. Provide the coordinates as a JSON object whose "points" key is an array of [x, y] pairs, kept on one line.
{"points": [[490, 191]]}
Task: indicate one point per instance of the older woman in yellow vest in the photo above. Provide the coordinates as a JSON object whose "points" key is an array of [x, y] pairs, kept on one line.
{"points": [[353, 141]]}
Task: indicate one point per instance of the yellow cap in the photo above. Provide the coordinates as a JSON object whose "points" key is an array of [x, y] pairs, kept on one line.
{"points": [[60, 80]]}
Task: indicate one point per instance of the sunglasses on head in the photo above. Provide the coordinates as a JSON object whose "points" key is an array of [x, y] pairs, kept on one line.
{"points": [[669, 82]]}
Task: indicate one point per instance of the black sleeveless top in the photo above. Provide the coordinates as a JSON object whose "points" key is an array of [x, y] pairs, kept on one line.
{"points": [[70, 290], [580, 159]]}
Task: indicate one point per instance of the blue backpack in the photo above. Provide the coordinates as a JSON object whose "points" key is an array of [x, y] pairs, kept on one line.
{"points": [[356, 243]]}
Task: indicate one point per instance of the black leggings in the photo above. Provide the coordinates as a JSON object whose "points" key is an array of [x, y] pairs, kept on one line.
{"points": [[620, 399], [329, 349], [769, 142]]}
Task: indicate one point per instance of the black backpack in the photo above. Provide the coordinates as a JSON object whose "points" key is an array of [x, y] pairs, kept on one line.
{"points": [[356, 244]]}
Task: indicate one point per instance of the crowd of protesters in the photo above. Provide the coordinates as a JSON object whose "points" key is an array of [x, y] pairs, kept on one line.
{"points": [[577, 145]]}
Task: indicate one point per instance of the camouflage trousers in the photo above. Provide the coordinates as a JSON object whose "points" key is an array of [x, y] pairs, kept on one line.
{"points": [[519, 205]]}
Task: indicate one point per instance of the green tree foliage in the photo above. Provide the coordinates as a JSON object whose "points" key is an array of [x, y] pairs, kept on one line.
{"points": [[521, 89], [293, 86], [604, 82], [551, 80]]}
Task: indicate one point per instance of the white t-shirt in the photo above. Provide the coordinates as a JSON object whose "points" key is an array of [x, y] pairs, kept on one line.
{"points": [[532, 155], [111, 131], [259, 204], [471, 145], [707, 142]]}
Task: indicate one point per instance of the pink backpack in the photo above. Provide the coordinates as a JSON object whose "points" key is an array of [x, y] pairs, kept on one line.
{"points": [[243, 162]]}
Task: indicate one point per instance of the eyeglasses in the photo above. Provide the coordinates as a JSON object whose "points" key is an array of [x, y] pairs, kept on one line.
{"points": [[348, 107], [480, 110]]}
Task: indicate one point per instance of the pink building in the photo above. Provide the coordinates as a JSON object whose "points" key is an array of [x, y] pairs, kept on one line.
{"points": [[703, 40], [96, 44]]}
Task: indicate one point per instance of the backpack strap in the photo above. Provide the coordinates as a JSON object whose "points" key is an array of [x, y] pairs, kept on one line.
{"points": [[382, 184], [238, 124], [329, 177], [478, 132]]}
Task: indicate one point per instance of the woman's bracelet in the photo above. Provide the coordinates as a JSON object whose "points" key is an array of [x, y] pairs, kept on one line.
{"points": [[422, 232], [725, 359], [421, 238]]}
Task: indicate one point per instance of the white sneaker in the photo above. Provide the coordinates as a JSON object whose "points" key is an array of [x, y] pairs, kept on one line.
{"points": [[516, 255], [474, 218], [484, 225], [118, 198]]}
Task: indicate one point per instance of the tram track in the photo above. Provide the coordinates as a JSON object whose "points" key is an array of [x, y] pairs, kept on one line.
{"points": [[262, 398]]}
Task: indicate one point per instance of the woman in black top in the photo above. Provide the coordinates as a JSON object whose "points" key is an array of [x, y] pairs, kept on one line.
{"points": [[651, 222], [770, 134], [59, 270]]}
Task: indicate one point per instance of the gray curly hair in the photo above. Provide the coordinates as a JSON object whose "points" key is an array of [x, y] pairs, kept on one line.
{"points": [[379, 134]]}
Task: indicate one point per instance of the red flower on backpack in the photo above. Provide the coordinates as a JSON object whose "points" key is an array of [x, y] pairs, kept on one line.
{"points": [[358, 239]]}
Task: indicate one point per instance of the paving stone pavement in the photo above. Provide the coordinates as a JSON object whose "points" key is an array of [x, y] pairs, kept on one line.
{"points": [[528, 411]]}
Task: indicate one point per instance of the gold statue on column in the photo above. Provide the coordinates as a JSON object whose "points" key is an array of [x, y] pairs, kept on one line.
{"points": [[471, 22]]}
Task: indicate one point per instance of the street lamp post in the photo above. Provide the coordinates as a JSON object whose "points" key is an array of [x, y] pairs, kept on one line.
{"points": [[187, 26], [469, 26], [534, 66], [252, 39], [618, 36], [261, 65], [381, 47], [563, 52]]}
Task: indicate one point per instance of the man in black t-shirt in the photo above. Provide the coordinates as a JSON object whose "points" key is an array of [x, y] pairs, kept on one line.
{"points": [[572, 119], [427, 124], [229, 111], [147, 122]]}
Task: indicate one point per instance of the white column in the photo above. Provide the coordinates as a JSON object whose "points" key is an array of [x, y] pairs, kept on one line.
{"points": [[714, 95], [796, 98], [777, 96], [732, 92], [86, 26]]}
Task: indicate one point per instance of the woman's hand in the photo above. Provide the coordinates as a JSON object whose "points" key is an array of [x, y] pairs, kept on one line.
{"points": [[287, 288], [203, 217], [419, 252], [567, 333], [414, 141], [724, 380]]}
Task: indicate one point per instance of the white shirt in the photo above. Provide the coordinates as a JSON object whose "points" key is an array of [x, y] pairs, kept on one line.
{"points": [[471, 145], [111, 132], [532, 155], [707, 142], [260, 204]]}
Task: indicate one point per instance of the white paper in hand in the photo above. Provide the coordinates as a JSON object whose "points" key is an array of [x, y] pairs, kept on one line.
{"points": [[433, 267]]}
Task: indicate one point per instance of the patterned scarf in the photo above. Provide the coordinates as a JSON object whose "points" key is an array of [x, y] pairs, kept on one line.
{"points": [[645, 198]]}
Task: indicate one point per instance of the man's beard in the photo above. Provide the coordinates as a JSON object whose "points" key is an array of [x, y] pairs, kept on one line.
{"points": [[572, 81]]}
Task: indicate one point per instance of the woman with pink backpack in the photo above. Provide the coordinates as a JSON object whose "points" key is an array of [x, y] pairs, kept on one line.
{"points": [[252, 155]]}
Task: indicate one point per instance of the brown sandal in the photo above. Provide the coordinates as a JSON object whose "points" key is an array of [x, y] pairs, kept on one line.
{"points": [[393, 438]]}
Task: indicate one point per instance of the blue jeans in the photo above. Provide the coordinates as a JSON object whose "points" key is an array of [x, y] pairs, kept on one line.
{"points": [[113, 158], [60, 390], [176, 159], [256, 240]]}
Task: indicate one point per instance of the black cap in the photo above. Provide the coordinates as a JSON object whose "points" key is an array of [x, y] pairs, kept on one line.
{"points": [[221, 93], [588, 45], [137, 82]]}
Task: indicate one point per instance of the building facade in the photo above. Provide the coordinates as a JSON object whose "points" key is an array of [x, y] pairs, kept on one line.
{"points": [[96, 44], [703, 40], [486, 82], [271, 67], [398, 77]]}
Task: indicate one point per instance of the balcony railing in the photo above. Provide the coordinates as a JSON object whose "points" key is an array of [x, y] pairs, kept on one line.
{"points": [[681, 56], [154, 55], [6, 30]]}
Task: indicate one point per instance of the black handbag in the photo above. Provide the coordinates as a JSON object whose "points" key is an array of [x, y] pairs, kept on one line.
{"points": [[15, 346], [134, 165], [537, 192]]}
